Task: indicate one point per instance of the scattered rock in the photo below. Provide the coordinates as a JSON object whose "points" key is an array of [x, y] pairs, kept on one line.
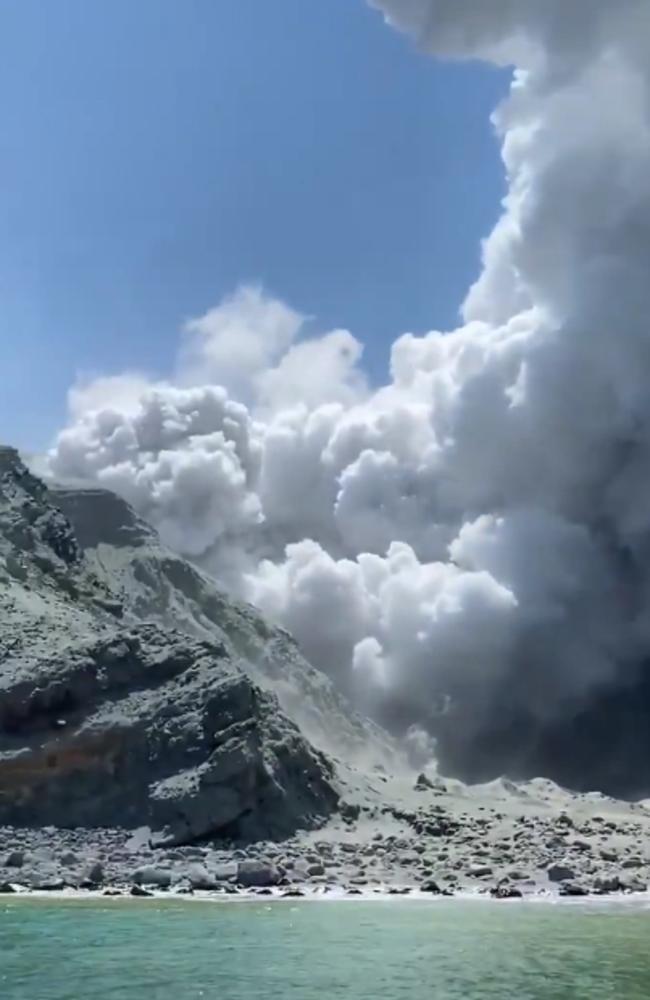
{"points": [[199, 877], [606, 884], [227, 871], [478, 871], [93, 876], [505, 891], [47, 884], [149, 875], [573, 889], [633, 885], [560, 873], [137, 890], [257, 873]]}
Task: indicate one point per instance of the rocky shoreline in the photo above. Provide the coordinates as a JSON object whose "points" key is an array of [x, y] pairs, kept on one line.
{"points": [[430, 850]]}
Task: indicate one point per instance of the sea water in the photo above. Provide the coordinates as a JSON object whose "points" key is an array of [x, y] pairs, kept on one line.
{"points": [[295, 950]]}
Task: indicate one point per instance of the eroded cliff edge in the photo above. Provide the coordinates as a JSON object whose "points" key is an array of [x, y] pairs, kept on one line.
{"points": [[108, 717]]}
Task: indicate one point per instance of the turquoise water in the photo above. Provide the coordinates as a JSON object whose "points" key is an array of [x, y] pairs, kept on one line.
{"points": [[318, 951]]}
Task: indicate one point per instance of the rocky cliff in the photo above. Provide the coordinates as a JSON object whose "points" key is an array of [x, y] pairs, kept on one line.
{"points": [[123, 701], [152, 583]]}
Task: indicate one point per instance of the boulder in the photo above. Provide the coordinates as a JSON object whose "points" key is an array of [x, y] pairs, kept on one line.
{"points": [[199, 877], [226, 871], [633, 885], [608, 883], [560, 873], [47, 883], [573, 889], [15, 859], [505, 891], [350, 811], [257, 873], [94, 874], [478, 871], [137, 890], [150, 875]]}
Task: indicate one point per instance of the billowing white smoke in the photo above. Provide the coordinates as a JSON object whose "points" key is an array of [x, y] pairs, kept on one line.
{"points": [[481, 524]]}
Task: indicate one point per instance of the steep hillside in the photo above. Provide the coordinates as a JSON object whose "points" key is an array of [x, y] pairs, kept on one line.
{"points": [[106, 720], [154, 584]]}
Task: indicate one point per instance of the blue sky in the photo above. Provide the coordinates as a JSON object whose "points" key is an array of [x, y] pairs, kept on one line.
{"points": [[154, 154]]}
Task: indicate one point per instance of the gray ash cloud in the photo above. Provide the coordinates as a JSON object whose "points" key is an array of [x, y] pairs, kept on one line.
{"points": [[466, 547]]}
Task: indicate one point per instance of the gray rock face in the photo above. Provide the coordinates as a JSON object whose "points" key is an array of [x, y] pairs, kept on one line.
{"points": [[152, 583], [100, 517], [106, 720]]}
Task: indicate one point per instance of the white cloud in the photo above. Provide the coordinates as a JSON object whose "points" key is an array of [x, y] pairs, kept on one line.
{"points": [[321, 370], [238, 341]]}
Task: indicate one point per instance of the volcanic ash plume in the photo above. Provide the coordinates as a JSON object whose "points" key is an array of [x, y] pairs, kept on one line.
{"points": [[467, 548]]}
